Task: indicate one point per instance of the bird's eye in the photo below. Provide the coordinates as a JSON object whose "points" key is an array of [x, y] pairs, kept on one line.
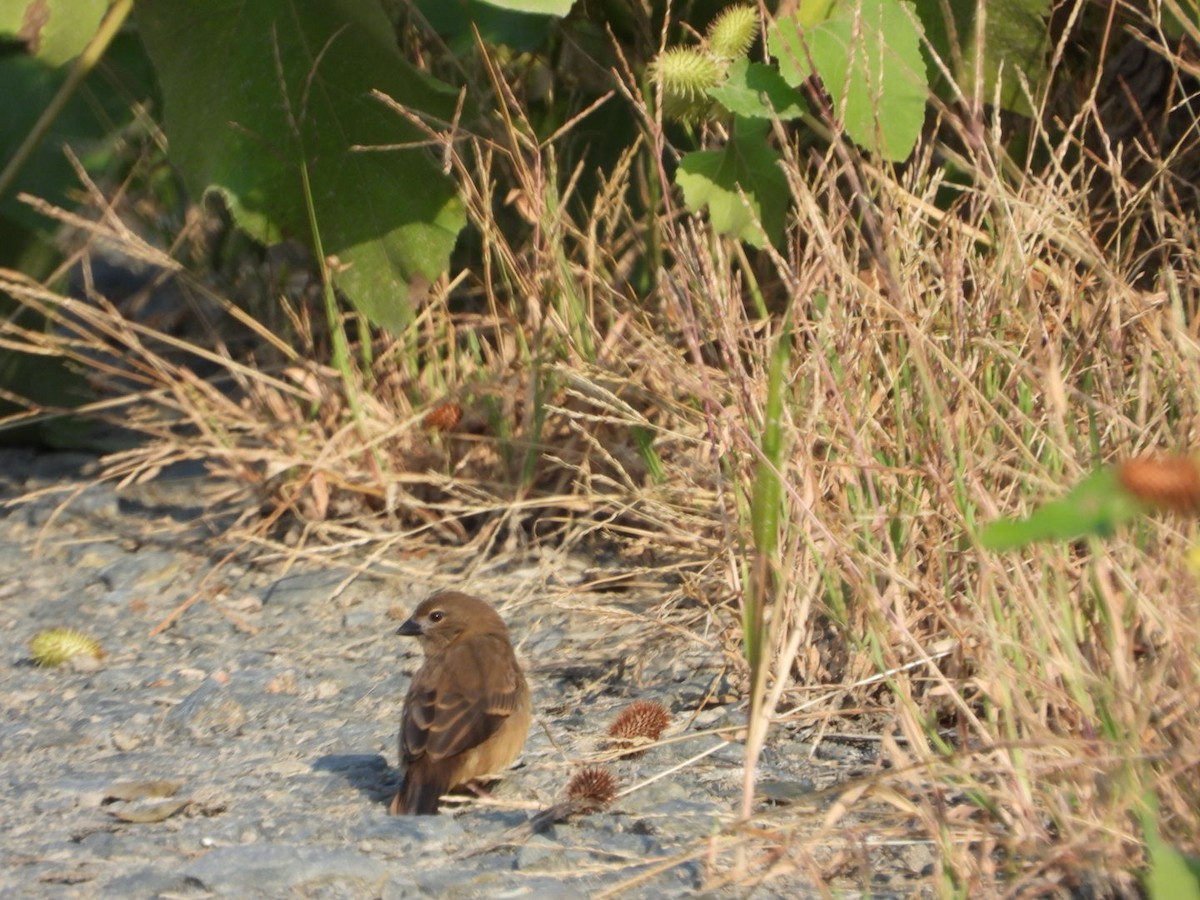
{"points": [[436, 616]]}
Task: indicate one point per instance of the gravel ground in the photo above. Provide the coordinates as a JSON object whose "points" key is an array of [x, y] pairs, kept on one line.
{"points": [[248, 749]]}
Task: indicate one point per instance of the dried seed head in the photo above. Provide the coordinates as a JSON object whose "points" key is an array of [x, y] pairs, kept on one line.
{"points": [[1163, 481], [592, 788], [639, 723], [443, 417], [55, 646]]}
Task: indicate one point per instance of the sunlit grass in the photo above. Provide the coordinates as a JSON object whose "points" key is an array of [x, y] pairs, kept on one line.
{"points": [[816, 435]]}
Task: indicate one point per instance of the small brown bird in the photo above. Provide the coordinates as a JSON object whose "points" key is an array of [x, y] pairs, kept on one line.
{"points": [[467, 711]]}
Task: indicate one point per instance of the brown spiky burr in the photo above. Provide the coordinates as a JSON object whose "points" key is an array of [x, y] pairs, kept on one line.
{"points": [[1163, 481], [638, 724], [591, 788], [443, 417]]}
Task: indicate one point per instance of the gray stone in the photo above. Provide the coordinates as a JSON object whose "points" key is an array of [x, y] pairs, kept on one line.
{"points": [[362, 618], [95, 554], [273, 870], [539, 852], [121, 597], [654, 795], [146, 568], [121, 679], [146, 882], [12, 552], [102, 844], [318, 584], [61, 465], [49, 804], [96, 500], [407, 834], [46, 736], [35, 514], [209, 711]]}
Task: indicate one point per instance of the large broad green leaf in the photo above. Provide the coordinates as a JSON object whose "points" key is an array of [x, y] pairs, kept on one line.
{"points": [[754, 90], [93, 125], [810, 12], [1016, 39], [1014, 43], [55, 31], [1170, 875], [458, 21], [742, 185], [543, 7], [256, 89], [1096, 506], [868, 54], [90, 125]]}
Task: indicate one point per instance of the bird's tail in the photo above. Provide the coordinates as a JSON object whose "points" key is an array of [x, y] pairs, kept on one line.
{"points": [[418, 796]]}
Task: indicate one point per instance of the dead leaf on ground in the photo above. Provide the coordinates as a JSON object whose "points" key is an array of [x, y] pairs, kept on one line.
{"points": [[149, 814], [128, 791], [140, 813]]}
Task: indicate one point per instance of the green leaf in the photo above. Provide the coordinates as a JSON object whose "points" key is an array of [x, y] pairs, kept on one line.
{"points": [[868, 54], [1016, 36], [12, 15], [1015, 43], [754, 90], [1180, 19], [713, 178], [458, 20], [252, 89], [1170, 875], [767, 501], [543, 7], [810, 12], [56, 31], [1097, 506], [90, 124]]}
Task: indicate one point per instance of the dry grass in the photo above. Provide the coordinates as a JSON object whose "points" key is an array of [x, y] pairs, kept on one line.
{"points": [[950, 364]]}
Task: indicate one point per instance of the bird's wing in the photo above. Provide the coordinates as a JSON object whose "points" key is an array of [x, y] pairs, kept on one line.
{"points": [[461, 699]]}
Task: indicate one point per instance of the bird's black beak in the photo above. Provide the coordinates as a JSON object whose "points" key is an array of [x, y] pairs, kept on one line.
{"points": [[410, 628]]}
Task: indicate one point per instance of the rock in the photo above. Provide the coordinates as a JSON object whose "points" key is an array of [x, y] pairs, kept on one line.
{"points": [[539, 852], [273, 870], [141, 570], [209, 711], [149, 881], [302, 586]]}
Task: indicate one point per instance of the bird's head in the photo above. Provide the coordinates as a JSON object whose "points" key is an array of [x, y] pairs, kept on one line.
{"points": [[448, 616]]}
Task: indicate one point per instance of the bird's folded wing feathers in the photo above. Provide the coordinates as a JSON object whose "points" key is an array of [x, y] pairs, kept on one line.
{"points": [[462, 701]]}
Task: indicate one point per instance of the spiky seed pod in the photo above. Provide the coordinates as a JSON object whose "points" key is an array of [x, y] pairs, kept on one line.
{"points": [[55, 646], [1164, 481], [592, 788], [732, 32], [685, 76], [686, 73], [638, 724], [443, 417]]}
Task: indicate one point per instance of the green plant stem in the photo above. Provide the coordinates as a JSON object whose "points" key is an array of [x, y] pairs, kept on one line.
{"points": [[765, 504], [341, 347], [337, 333], [756, 295], [84, 63]]}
